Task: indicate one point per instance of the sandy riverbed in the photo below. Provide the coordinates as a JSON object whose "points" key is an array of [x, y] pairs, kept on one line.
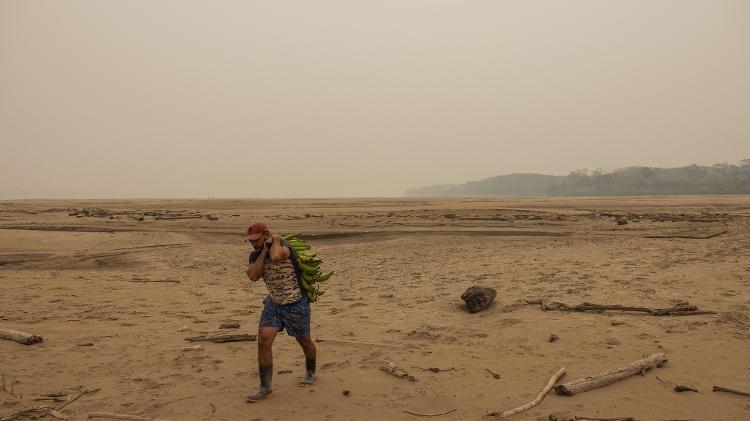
{"points": [[134, 290]]}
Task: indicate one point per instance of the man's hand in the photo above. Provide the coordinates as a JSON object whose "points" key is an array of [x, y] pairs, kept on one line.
{"points": [[269, 239]]}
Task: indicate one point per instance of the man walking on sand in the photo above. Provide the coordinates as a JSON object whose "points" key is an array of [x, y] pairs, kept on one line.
{"points": [[285, 307]]}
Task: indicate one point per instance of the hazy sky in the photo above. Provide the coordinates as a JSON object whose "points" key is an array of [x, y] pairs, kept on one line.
{"points": [[278, 98]]}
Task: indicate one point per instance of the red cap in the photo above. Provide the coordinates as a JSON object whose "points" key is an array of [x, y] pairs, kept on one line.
{"points": [[256, 230]]}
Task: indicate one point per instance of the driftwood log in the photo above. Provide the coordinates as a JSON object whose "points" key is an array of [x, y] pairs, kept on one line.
{"points": [[609, 377], [683, 309], [20, 337], [728, 390], [551, 383], [478, 298], [223, 338]]}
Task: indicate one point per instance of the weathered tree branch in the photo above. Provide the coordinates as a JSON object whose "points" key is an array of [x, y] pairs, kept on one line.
{"points": [[609, 377], [429, 415], [554, 379], [683, 309]]}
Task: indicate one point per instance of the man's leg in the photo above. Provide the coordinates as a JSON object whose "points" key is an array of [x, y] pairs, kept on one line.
{"points": [[266, 335], [308, 347]]}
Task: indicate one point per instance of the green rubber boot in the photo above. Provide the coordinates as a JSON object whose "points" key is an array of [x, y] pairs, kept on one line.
{"points": [[309, 378], [266, 375]]}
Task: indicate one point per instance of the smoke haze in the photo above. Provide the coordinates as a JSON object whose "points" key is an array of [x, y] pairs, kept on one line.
{"points": [[131, 99]]}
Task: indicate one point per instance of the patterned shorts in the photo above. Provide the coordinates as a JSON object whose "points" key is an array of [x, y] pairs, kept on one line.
{"points": [[295, 317]]}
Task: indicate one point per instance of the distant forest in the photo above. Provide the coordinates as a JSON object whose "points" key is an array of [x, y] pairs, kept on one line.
{"points": [[632, 181]]}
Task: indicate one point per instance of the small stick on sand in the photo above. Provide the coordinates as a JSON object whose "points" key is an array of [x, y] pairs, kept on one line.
{"points": [[85, 392], [117, 416], [690, 237], [57, 415], [728, 390], [342, 341], [551, 383], [435, 369], [53, 399], [145, 281], [43, 411], [429, 415], [222, 338], [20, 337], [2, 374], [495, 375]]}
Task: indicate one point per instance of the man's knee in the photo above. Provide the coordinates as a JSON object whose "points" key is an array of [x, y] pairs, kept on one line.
{"points": [[305, 341], [265, 339]]}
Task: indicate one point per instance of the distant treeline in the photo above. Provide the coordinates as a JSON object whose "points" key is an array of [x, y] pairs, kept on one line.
{"points": [[631, 181]]}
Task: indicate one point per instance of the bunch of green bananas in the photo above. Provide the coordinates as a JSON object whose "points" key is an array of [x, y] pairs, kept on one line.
{"points": [[309, 266]]}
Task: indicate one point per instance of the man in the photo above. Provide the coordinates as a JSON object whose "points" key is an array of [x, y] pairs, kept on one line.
{"points": [[285, 307]]}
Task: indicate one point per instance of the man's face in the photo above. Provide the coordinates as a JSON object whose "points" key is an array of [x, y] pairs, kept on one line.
{"points": [[259, 242]]}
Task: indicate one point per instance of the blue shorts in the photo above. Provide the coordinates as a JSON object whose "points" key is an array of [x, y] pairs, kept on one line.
{"points": [[295, 317]]}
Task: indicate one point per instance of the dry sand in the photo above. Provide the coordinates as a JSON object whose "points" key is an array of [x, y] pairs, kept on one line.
{"points": [[401, 266]]}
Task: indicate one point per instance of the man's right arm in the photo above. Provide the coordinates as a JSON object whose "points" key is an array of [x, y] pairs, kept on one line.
{"points": [[255, 269]]}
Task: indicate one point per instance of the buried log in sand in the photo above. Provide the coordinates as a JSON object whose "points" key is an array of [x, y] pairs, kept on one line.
{"points": [[20, 337], [609, 377]]}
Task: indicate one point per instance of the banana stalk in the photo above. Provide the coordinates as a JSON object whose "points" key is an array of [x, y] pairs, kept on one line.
{"points": [[309, 266]]}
